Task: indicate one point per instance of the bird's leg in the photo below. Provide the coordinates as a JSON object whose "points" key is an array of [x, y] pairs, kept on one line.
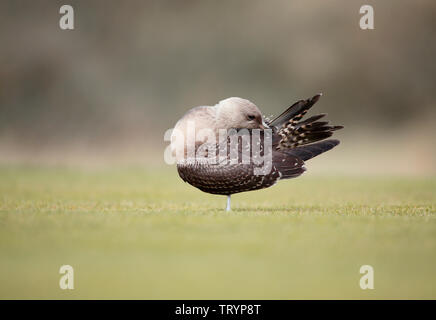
{"points": [[228, 203]]}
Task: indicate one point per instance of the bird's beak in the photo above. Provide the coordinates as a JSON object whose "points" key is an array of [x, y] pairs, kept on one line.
{"points": [[263, 125]]}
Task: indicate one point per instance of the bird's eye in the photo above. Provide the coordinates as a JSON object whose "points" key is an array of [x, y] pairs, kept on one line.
{"points": [[251, 117]]}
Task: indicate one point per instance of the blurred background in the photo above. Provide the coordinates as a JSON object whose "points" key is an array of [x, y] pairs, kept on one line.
{"points": [[82, 174], [107, 91]]}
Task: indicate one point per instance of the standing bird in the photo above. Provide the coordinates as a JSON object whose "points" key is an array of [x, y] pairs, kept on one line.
{"points": [[293, 141]]}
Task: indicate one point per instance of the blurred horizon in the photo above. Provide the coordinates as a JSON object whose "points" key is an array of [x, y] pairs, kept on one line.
{"points": [[106, 92]]}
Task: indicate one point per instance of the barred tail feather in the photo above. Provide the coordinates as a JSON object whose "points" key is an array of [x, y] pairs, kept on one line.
{"points": [[290, 132], [294, 113], [312, 150], [293, 137]]}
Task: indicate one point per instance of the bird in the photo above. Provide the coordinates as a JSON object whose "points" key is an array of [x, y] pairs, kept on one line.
{"points": [[288, 140]]}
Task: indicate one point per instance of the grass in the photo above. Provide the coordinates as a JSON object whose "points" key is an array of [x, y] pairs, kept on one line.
{"points": [[142, 233]]}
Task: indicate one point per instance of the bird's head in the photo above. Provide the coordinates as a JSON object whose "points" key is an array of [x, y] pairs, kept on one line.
{"points": [[238, 113]]}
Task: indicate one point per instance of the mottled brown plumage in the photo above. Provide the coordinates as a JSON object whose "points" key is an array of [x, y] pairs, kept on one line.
{"points": [[293, 142]]}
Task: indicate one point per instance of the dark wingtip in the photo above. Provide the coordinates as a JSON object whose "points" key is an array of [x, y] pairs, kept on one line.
{"points": [[337, 128], [334, 141], [316, 97]]}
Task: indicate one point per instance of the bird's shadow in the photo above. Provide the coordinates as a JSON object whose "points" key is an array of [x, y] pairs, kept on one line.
{"points": [[276, 209]]}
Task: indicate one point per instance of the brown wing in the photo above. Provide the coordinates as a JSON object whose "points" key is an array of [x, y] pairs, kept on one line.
{"points": [[225, 177]]}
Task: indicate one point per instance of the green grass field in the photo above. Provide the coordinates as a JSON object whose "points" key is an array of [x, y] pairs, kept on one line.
{"points": [[142, 233]]}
